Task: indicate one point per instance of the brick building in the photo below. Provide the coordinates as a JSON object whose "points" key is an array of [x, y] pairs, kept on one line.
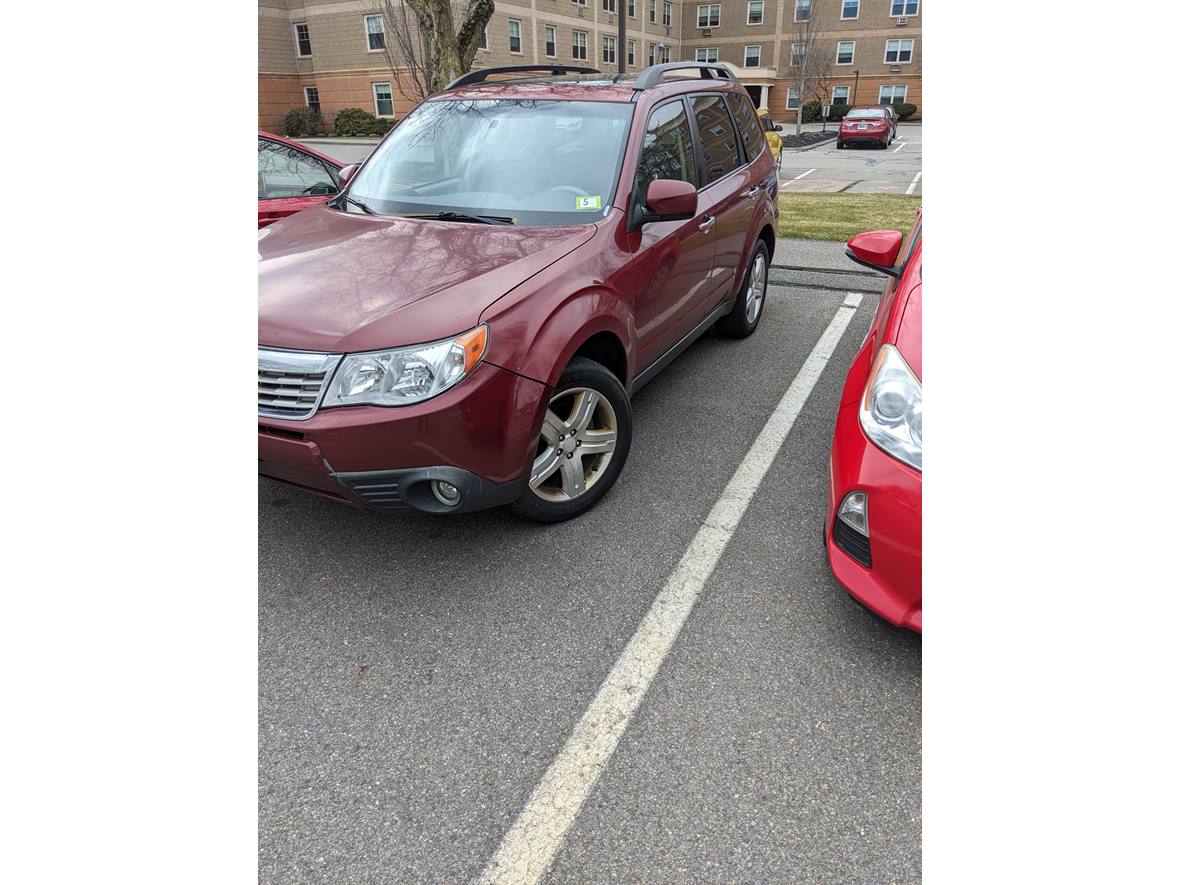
{"points": [[327, 54]]}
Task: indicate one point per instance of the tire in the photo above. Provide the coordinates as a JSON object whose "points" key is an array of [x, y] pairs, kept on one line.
{"points": [[588, 403], [839, 145], [751, 302]]}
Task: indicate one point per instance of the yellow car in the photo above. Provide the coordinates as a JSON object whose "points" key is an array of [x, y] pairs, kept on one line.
{"points": [[772, 131]]}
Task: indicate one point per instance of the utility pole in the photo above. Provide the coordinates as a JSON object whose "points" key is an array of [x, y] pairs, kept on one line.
{"points": [[855, 83], [621, 11]]}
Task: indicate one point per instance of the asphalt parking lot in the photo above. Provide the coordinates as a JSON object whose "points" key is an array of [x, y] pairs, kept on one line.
{"points": [[418, 676], [857, 170]]}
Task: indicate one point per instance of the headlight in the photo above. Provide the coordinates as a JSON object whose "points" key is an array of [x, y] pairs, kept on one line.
{"points": [[407, 374], [891, 410]]}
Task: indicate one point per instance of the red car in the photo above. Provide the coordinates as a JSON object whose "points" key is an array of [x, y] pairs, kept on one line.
{"points": [[291, 177], [866, 125], [874, 523], [465, 324]]}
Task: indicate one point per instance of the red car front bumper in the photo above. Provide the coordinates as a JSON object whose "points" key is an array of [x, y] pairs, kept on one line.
{"points": [[477, 436], [892, 585]]}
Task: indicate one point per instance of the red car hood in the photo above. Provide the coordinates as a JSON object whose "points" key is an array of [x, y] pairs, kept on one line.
{"points": [[333, 281]]}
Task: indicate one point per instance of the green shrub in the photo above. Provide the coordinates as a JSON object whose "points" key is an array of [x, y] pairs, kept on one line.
{"points": [[904, 109], [838, 111], [302, 121], [355, 121], [811, 112]]}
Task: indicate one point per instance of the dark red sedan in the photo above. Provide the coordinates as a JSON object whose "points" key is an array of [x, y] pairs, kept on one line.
{"points": [[291, 177], [868, 125], [874, 523]]}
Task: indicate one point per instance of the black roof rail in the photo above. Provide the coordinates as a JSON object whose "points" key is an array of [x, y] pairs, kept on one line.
{"points": [[482, 74], [654, 75]]}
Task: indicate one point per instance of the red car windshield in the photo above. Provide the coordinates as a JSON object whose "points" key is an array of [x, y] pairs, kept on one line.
{"points": [[536, 162]]}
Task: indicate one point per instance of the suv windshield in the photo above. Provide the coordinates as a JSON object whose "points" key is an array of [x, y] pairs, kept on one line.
{"points": [[866, 114], [537, 162]]}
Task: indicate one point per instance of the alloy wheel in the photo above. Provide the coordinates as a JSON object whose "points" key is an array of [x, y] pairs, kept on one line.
{"points": [[756, 290], [577, 443]]}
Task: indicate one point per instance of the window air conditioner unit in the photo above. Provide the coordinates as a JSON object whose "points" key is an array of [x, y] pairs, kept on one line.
{"points": [[895, 69], [581, 12], [667, 31], [902, 22], [707, 32]]}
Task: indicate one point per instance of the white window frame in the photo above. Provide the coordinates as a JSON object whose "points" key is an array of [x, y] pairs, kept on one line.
{"points": [[613, 49], [761, 12], [483, 48], [632, 8], [849, 18], [549, 28], [377, 107], [519, 36], [796, 12], [793, 90], [574, 47], [365, 26], [651, 11], [899, 41], [578, 2], [903, 13], [295, 34], [746, 55], [611, 6], [847, 90], [792, 55], [667, 14], [307, 98], [905, 92], [706, 50], [708, 16], [852, 60], [631, 53]]}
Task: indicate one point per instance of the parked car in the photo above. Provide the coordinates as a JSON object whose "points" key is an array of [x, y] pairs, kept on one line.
{"points": [[291, 177], [465, 324], [867, 125], [772, 130], [874, 521], [891, 112]]}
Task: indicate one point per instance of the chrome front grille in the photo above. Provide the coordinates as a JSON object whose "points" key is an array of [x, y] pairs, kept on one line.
{"points": [[291, 382]]}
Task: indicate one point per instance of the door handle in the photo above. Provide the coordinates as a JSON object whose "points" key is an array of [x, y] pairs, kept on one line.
{"points": [[752, 192], [707, 223]]}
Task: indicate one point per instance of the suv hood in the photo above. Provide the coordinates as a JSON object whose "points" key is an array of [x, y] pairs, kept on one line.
{"points": [[340, 282]]}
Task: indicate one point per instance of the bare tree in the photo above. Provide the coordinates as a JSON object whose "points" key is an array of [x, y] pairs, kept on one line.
{"points": [[812, 52], [422, 45]]}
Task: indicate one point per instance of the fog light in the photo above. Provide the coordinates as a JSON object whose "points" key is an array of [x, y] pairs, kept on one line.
{"points": [[854, 512], [445, 493]]}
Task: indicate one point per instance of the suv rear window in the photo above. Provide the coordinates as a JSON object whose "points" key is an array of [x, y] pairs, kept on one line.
{"points": [[718, 140], [747, 122]]}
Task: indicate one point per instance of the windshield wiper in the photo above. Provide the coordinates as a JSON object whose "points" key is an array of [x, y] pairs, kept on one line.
{"points": [[450, 215], [345, 198]]}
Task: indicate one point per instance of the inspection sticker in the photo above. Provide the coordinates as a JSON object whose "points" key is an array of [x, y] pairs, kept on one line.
{"points": [[594, 202]]}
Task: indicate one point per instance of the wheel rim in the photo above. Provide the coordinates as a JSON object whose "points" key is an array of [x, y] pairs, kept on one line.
{"points": [[756, 291], [577, 443]]}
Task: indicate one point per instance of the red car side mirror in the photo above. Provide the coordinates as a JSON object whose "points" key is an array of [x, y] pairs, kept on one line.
{"points": [[346, 173], [669, 200], [877, 249]]}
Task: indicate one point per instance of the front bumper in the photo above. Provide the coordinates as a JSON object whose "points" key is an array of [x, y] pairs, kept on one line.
{"points": [[892, 585], [477, 436]]}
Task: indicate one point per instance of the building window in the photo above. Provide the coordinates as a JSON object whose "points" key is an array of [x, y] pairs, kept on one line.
{"points": [[839, 95], [608, 49], [311, 96], [797, 50], [707, 16], [651, 54], [792, 98], [802, 10], [845, 51], [383, 99], [631, 8], [375, 32], [580, 45], [514, 35], [892, 94], [754, 12], [667, 14], [651, 11], [630, 53], [706, 55], [609, 6], [551, 41], [898, 51], [850, 9], [753, 56], [483, 38], [302, 39], [578, 2], [904, 7]]}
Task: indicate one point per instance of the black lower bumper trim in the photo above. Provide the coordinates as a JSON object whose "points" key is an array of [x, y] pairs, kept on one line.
{"points": [[410, 489]]}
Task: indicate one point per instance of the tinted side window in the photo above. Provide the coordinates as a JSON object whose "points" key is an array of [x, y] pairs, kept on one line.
{"points": [[667, 148], [718, 140], [286, 172], [747, 123]]}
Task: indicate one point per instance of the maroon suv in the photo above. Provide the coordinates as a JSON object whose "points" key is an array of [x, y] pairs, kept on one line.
{"points": [[463, 325]]}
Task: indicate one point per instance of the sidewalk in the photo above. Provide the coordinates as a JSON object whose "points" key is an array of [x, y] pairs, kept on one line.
{"points": [[819, 254]]}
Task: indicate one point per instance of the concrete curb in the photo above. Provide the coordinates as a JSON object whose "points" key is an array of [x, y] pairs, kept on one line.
{"points": [[810, 147], [836, 270]]}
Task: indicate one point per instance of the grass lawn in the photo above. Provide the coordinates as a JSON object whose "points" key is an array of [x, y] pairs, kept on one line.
{"points": [[808, 216]]}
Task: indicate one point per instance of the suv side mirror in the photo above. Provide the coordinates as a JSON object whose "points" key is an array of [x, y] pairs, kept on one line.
{"points": [[667, 200], [345, 175], [876, 249]]}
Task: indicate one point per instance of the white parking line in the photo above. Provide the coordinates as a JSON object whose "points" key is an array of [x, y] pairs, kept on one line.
{"points": [[803, 175], [535, 837], [914, 183], [899, 147]]}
